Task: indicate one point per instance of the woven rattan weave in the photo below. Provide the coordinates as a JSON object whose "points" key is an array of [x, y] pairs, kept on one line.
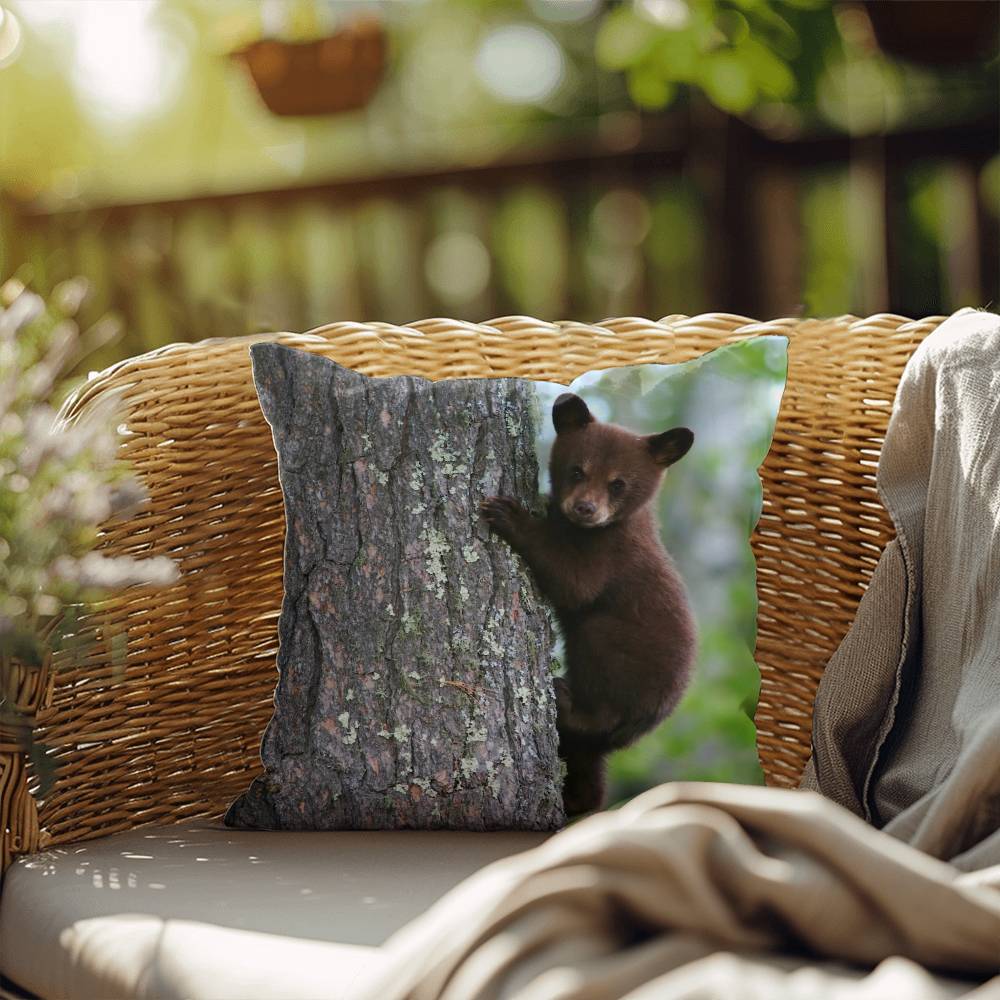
{"points": [[174, 731]]}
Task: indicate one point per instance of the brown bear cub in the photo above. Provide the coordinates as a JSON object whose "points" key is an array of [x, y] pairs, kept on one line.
{"points": [[621, 605]]}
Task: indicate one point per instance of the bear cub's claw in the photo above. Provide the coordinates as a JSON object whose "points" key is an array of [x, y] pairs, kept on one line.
{"points": [[501, 514]]}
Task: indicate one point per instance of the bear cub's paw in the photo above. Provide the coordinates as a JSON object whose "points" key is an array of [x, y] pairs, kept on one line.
{"points": [[503, 514]]}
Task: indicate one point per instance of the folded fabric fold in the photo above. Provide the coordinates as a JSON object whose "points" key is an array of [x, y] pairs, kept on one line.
{"points": [[906, 726], [684, 870]]}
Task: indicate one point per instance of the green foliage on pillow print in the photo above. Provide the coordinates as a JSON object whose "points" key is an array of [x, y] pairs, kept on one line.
{"points": [[708, 507]]}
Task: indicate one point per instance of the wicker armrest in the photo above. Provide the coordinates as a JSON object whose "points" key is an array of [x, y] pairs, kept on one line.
{"points": [[175, 732]]}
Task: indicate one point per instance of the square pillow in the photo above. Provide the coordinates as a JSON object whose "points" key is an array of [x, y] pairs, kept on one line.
{"points": [[465, 638]]}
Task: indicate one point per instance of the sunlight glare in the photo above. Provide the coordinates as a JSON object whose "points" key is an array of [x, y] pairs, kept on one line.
{"points": [[673, 14], [125, 66], [10, 37]]}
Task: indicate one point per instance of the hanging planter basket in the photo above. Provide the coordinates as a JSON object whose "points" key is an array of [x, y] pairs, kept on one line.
{"points": [[337, 73], [935, 32]]}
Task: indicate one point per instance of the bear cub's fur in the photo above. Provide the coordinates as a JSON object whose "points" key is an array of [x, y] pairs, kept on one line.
{"points": [[623, 609]]}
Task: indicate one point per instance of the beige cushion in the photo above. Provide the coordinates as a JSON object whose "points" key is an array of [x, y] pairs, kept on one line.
{"points": [[197, 910]]}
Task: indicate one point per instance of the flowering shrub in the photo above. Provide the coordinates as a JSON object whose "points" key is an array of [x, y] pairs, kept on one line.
{"points": [[60, 480]]}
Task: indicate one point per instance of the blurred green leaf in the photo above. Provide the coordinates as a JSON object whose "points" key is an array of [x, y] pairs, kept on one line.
{"points": [[675, 58], [623, 39], [733, 25], [649, 89], [773, 76], [728, 82]]}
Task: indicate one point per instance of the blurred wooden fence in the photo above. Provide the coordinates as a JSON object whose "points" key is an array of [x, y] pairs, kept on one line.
{"points": [[720, 218]]}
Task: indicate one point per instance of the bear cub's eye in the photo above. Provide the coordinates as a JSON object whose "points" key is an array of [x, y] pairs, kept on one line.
{"points": [[576, 473], [616, 487]]}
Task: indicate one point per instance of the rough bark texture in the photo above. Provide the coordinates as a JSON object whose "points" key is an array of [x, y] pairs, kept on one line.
{"points": [[414, 670]]}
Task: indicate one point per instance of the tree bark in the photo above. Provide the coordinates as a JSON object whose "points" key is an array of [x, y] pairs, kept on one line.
{"points": [[414, 685]]}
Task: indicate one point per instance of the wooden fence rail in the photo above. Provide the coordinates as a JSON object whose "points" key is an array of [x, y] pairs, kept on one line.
{"points": [[706, 217]]}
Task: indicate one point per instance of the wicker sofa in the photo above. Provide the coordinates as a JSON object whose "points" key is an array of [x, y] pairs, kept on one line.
{"points": [[150, 751]]}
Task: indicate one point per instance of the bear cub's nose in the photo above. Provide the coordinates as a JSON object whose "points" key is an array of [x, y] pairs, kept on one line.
{"points": [[585, 508]]}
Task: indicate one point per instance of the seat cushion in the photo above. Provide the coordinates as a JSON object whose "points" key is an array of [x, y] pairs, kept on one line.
{"points": [[201, 911]]}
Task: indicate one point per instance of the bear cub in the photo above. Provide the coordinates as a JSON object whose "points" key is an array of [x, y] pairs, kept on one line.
{"points": [[623, 610]]}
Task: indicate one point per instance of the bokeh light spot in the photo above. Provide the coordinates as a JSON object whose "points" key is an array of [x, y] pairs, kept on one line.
{"points": [[622, 217], [520, 63], [457, 266], [672, 14]]}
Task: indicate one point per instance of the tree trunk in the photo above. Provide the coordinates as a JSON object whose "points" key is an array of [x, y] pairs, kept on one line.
{"points": [[414, 668]]}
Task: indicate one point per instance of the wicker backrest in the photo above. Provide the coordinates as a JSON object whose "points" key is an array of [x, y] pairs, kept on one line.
{"points": [[175, 732]]}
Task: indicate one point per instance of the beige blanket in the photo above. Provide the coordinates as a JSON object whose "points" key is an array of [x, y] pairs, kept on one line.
{"points": [[697, 890], [906, 729]]}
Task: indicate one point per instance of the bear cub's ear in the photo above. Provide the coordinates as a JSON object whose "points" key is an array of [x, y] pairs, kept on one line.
{"points": [[570, 413], [668, 447]]}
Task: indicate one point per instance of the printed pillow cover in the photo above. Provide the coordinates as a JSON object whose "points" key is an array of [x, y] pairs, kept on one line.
{"points": [[510, 602]]}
